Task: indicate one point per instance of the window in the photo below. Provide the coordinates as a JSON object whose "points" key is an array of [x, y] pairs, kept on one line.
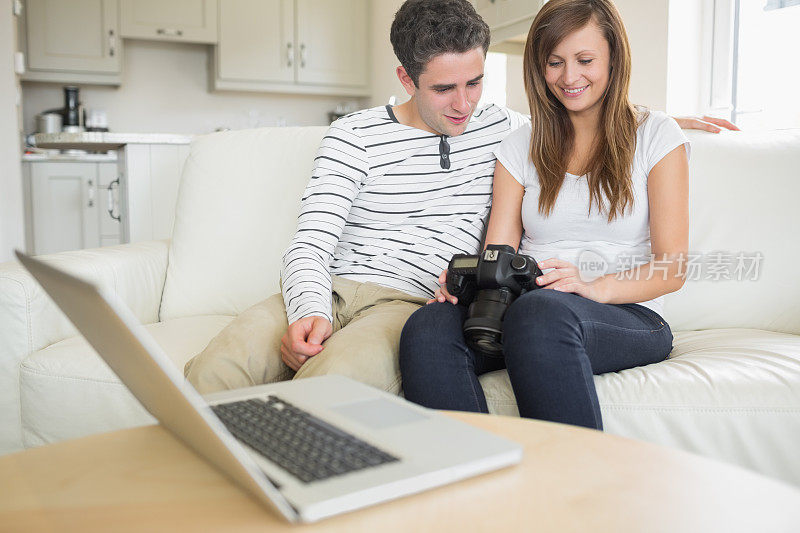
{"points": [[759, 62], [494, 80], [777, 4]]}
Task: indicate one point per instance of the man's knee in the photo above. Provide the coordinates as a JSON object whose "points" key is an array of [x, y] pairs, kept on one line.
{"points": [[245, 353], [373, 363], [366, 349], [208, 373]]}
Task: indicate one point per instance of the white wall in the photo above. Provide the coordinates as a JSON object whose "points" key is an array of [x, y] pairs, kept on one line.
{"points": [[12, 225], [165, 89], [647, 26], [689, 45], [384, 63], [516, 98], [647, 23]]}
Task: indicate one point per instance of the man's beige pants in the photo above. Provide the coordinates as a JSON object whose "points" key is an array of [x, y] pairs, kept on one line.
{"points": [[367, 321]]}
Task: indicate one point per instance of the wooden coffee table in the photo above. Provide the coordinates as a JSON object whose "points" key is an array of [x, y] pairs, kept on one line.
{"points": [[571, 479]]}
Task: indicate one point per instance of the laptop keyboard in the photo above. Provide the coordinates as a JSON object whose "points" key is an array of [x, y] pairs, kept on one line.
{"points": [[301, 443]]}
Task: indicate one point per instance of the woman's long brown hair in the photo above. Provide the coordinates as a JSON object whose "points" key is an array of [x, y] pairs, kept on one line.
{"points": [[552, 140]]}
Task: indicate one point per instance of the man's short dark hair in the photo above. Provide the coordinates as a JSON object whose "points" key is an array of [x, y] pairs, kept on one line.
{"points": [[423, 29]]}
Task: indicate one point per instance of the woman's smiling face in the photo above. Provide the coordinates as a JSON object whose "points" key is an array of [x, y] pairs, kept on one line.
{"points": [[577, 71]]}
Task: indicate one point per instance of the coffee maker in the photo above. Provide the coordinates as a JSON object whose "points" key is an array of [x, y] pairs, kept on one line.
{"points": [[72, 115]]}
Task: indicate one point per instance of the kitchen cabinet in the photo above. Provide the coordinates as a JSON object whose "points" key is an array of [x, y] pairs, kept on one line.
{"points": [[298, 46], [176, 20], [133, 198], [108, 200], [150, 175], [508, 18], [487, 9], [511, 11], [256, 41], [73, 42], [332, 42], [70, 205]]}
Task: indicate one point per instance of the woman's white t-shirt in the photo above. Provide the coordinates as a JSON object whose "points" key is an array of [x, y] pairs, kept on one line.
{"points": [[573, 233]]}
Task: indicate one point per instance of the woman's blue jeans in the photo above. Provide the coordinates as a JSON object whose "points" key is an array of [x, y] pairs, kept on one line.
{"points": [[553, 343]]}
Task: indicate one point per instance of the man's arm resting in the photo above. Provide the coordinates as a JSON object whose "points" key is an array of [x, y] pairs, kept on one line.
{"points": [[705, 123]]}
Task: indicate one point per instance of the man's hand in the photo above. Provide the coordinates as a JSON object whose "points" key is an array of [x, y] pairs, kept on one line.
{"points": [[304, 339], [441, 294], [714, 125]]}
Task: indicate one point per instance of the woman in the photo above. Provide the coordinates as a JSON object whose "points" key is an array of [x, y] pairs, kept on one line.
{"points": [[591, 177]]}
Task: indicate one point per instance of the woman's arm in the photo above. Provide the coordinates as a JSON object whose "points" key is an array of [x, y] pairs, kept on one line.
{"points": [[505, 219], [668, 196]]}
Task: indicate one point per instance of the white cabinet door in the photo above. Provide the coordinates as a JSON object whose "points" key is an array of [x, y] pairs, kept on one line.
{"points": [[150, 175], [74, 36], [108, 203], [172, 20], [511, 11], [298, 46], [65, 208], [487, 9], [332, 42], [256, 40]]}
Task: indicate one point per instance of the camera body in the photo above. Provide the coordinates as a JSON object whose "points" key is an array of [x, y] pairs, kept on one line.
{"points": [[488, 283]]}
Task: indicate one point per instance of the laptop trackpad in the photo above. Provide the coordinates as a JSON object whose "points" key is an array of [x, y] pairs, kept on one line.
{"points": [[379, 413]]}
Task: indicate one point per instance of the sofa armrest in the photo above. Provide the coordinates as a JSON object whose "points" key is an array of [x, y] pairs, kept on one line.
{"points": [[30, 321]]}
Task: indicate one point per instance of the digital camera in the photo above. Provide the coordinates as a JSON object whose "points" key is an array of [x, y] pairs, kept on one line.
{"points": [[488, 283]]}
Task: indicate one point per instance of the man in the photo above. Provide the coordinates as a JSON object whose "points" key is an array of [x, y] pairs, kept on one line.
{"points": [[395, 192]]}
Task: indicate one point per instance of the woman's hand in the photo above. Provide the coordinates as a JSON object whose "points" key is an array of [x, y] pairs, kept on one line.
{"points": [[566, 277], [441, 294]]}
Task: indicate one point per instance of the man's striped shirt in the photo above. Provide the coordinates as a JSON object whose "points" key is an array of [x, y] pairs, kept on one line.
{"points": [[390, 204]]}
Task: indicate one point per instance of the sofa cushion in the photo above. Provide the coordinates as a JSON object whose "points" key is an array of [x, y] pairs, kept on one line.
{"points": [[68, 391], [743, 194], [718, 390], [239, 199], [30, 320], [237, 211]]}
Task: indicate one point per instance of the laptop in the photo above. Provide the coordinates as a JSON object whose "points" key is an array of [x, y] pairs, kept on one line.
{"points": [[308, 448]]}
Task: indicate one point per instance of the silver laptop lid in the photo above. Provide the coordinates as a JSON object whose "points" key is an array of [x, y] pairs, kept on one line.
{"points": [[146, 370]]}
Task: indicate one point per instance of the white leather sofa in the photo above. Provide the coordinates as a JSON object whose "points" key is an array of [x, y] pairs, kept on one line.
{"points": [[730, 389]]}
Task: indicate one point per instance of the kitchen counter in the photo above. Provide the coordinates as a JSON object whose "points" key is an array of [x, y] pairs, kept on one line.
{"points": [[95, 158], [147, 167], [102, 141]]}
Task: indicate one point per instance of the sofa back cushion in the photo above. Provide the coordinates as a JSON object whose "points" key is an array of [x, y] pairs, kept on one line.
{"points": [[237, 209], [240, 192], [744, 234]]}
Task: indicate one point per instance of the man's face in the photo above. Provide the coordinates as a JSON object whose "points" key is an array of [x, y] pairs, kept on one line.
{"points": [[448, 91]]}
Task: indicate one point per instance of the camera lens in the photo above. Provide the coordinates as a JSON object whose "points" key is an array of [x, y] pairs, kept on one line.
{"points": [[487, 341], [483, 329]]}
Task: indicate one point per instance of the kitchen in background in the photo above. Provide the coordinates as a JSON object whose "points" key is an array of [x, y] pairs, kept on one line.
{"points": [[85, 187], [113, 90], [157, 72]]}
